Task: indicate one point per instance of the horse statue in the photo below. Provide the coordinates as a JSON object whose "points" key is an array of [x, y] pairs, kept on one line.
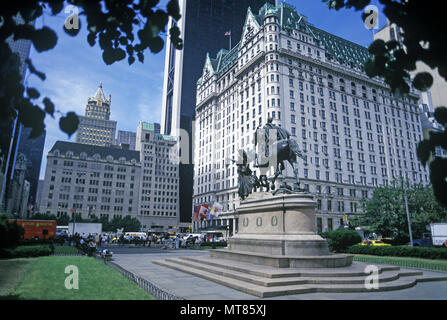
{"points": [[283, 149]]}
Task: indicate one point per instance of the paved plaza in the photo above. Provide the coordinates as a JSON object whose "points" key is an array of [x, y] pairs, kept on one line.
{"points": [[139, 261]]}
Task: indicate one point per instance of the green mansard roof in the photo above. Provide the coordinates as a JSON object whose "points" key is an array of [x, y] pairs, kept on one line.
{"points": [[337, 48]]}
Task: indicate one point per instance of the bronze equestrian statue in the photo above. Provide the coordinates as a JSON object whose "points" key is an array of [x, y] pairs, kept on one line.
{"points": [[283, 149]]}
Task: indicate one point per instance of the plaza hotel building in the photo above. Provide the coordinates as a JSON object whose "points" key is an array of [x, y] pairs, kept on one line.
{"points": [[355, 134]]}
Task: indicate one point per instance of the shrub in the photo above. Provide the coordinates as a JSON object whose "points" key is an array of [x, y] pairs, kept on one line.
{"points": [[400, 251], [340, 240], [10, 234], [32, 242], [26, 251]]}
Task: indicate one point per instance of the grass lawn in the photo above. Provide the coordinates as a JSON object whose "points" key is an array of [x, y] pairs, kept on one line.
{"points": [[435, 265], [66, 250], [11, 272], [45, 280]]}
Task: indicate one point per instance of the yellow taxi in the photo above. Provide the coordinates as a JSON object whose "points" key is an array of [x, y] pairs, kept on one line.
{"points": [[374, 243]]}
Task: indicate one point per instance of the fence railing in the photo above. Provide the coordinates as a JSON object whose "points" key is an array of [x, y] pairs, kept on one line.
{"points": [[144, 283], [404, 262]]}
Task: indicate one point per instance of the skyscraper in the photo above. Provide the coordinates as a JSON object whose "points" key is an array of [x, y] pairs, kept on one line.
{"points": [[10, 132], [96, 128], [206, 27], [33, 150]]}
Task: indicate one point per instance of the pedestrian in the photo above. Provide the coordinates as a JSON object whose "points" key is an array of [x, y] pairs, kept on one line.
{"points": [[177, 240], [92, 248]]}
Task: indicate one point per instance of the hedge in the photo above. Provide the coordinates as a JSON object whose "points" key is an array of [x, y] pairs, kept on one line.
{"points": [[10, 233], [217, 244], [26, 251], [400, 251], [341, 239], [32, 242]]}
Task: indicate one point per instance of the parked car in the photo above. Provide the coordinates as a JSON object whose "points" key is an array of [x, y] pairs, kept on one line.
{"points": [[374, 243]]}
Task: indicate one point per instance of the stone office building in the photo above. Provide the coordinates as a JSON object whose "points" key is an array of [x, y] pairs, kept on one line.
{"points": [[91, 180], [159, 201], [96, 128], [355, 134]]}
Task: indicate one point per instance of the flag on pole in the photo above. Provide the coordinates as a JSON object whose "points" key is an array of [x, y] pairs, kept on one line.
{"points": [[228, 34], [195, 214], [217, 207], [202, 212]]}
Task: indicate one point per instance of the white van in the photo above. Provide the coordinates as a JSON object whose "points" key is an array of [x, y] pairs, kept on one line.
{"points": [[141, 235]]}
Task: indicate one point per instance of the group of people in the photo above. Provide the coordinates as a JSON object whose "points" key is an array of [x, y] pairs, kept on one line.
{"points": [[90, 243]]}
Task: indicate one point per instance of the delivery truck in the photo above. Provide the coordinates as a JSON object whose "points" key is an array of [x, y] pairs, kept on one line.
{"points": [[84, 228], [437, 237], [40, 229]]}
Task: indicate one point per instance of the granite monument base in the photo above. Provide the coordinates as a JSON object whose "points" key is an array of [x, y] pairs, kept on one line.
{"points": [[280, 231]]}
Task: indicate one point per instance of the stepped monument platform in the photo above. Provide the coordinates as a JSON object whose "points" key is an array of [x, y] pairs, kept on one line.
{"points": [[277, 251]]}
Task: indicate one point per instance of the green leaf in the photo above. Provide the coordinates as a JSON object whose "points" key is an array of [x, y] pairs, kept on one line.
{"points": [[423, 81], [156, 44], [69, 124], [33, 93], [33, 70], [370, 68], [159, 19], [424, 150], [44, 39], [112, 55], [91, 39], [56, 6], [49, 106], [441, 115], [131, 60], [174, 9], [377, 47], [140, 56]]}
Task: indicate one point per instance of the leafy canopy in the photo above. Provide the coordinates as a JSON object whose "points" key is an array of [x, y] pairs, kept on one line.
{"points": [[385, 213], [122, 28], [422, 39]]}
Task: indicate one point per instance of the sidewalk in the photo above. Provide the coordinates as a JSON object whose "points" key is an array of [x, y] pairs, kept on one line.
{"points": [[194, 288]]}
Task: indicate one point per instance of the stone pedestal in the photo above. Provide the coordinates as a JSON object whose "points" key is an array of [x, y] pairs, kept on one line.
{"points": [[279, 230]]}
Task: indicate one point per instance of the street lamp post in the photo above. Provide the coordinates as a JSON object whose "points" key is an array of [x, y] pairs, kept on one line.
{"points": [[408, 216], [73, 211]]}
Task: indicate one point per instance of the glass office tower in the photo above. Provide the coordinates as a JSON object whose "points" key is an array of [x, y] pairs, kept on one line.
{"points": [[203, 27]]}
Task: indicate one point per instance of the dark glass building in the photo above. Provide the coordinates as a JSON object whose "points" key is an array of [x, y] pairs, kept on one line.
{"points": [[33, 150], [10, 129], [204, 26]]}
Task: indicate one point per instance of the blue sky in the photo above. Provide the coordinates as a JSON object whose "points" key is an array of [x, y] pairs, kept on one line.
{"points": [[74, 71]]}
